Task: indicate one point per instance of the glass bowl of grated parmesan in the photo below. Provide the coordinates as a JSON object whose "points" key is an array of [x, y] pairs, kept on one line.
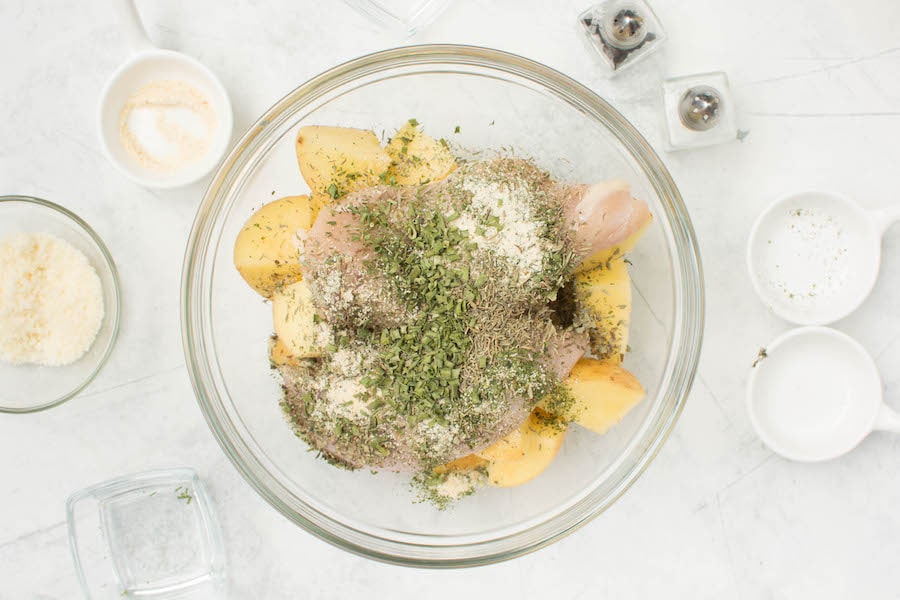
{"points": [[59, 304], [481, 103]]}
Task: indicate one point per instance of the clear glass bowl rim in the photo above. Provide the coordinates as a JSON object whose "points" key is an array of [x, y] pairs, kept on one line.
{"points": [[683, 356], [117, 292]]}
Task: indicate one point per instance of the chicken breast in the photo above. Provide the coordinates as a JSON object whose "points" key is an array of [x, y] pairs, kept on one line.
{"points": [[565, 350], [601, 215], [347, 292], [508, 354]]}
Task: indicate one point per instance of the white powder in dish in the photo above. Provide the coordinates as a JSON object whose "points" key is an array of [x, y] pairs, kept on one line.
{"points": [[809, 258], [51, 300], [166, 124]]}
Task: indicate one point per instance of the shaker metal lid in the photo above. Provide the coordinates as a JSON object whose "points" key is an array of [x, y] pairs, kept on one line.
{"points": [[624, 28], [700, 108]]}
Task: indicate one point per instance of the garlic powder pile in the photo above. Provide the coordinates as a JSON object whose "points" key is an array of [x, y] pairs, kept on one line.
{"points": [[51, 300], [166, 124], [516, 233]]}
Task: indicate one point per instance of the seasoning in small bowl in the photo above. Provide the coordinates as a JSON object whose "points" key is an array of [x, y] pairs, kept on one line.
{"points": [[165, 119], [167, 124], [814, 257]]}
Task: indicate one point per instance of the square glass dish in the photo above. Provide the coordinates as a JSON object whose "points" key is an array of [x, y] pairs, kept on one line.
{"points": [[402, 16], [148, 535]]}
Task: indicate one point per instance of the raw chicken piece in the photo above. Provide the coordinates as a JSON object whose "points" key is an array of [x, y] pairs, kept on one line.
{"points": [[350, 294], [332, 233], [346, 292], [565, 350], [601, 215]]}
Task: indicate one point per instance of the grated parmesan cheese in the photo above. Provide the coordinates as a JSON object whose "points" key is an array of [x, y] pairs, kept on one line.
{"points": [[51, 300]]}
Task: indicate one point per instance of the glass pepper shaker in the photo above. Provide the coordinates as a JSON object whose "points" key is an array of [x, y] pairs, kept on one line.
{"points": [[621, 32]]}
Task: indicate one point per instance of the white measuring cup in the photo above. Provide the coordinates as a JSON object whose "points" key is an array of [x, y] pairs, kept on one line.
{"points": [[814, 257], [146, 64], [816, 394]]}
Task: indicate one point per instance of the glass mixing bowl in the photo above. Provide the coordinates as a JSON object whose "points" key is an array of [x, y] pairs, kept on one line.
{"points": [[497, 100]]}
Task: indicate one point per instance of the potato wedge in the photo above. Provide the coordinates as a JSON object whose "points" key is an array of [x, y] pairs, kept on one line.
{"points": [[605, 293], [470, 462], [616, 252], [602, 393], [418, 158], [510, 447], [296, 326], [541, 442], [280, 356], [266, 253], [336, 161]]}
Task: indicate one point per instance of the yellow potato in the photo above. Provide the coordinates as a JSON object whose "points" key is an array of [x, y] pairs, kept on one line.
{"points": [[541, 442], [280, 356], [336, 161], [295, 321], [470, 462], [616, 252], [602, 393], [418, 158], [265, 251], [606, 295], [509, 448]]}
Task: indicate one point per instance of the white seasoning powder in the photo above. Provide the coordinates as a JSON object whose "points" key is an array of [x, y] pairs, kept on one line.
{"points": [[344, 395], [347, 361], [440, 438], [345, 399], [166, 124], [518, 237], [809, 258], [457, 485], [51, 300]]}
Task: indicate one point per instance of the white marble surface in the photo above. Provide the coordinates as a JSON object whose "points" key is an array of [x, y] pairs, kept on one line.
{"points": [[715, 516]]}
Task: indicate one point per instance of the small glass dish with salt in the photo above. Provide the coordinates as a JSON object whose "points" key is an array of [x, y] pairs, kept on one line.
{"points": [[150, 535]]}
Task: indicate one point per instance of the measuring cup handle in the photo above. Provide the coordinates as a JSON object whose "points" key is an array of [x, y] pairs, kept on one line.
{"points": [[888, 419], [132, 28], [885, 217]]}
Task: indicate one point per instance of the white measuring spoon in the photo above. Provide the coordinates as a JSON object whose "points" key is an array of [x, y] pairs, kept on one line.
{"points": [[816, 394], [814, 257], [146, 64]]}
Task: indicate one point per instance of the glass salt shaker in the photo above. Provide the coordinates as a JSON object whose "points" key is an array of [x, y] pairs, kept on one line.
{"points": [[699, 111]]}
